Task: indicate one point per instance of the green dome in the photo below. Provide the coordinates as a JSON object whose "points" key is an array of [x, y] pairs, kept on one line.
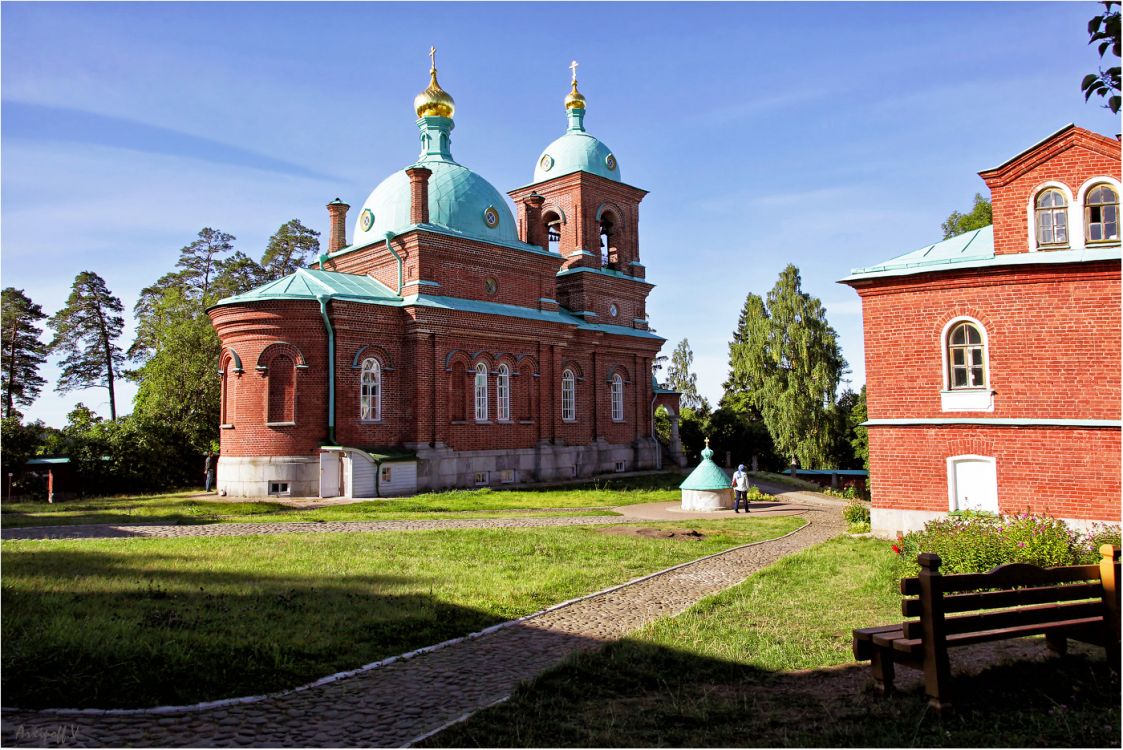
{"points": [[707, 475], [459, 199], [576, 151]]}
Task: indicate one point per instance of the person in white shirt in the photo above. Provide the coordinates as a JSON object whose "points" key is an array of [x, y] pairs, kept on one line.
{"points": [[740, 489]]}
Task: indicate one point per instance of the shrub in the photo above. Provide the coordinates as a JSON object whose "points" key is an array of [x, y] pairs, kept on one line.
{"points": [[755, 494], [856, 511], [858, 528], [977, 543]]}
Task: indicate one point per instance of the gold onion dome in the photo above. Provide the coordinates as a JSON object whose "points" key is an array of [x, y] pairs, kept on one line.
{"points": [[574, 99], [434, 101]]}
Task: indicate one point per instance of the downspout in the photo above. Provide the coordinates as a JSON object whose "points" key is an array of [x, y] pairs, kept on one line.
{"points": [[323, 298], [390, 236]]}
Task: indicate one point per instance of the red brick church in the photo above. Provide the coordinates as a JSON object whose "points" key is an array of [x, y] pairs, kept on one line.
{"points": [[450, 343], [993, 358]]}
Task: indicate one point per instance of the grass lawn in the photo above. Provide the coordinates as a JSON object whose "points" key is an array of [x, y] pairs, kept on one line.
{"points": [[185, 508], [765, 664], [144, 622]]}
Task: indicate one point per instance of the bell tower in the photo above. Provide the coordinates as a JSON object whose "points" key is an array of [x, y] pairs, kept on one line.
{"points": [[579, 208]]}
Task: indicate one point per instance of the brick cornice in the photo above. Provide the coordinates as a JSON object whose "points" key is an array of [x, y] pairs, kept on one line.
{"points": [[1050, 148]]}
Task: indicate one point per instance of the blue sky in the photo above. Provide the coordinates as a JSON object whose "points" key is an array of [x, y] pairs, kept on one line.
{"points": [[826, 135]]}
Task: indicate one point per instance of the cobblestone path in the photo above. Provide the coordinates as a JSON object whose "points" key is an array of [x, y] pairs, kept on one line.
{"points": [[123, 531], [398, 703]]}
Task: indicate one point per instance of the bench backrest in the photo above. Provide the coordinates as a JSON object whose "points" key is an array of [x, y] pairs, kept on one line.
{"points": [[1009, 596]]}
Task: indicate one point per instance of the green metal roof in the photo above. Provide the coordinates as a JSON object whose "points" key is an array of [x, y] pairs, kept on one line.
{"points": [[973, 249], [306, 283], [604, 272], [576, 151], [707, 476]]}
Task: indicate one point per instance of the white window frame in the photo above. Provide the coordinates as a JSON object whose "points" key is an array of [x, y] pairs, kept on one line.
{"points": [[568, 396], [1074, 215], [1082, 196], [617, 395], [953, 491], [370, 391], [503, 394], [480, 392], [965, 399]]}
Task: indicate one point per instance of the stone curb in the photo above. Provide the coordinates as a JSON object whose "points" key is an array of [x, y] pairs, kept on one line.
{"points": [[222, 703]]}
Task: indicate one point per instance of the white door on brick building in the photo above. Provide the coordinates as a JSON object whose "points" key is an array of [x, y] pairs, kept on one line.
{"points": [[972, 483], [331, 469]]}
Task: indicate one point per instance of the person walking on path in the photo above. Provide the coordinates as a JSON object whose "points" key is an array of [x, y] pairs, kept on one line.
{"points": [[740, 489], [208, 471]]}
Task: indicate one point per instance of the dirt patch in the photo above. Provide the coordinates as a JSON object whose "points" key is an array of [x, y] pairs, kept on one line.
{"points": [[650, 533]]}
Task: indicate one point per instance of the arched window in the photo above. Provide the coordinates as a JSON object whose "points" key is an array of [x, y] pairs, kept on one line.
{"points": [[608, 241], [481, 392], [1101, 214], [503, 394], [553, 231], [617, 392], [966, 357], [227, 416], [1050, 211], [569, 406], [282, 390], [370, 396]]}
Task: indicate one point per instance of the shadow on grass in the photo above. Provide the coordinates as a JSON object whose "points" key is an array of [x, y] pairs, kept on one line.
{"points": [[161, 512], [638, 694], [123, 635]]}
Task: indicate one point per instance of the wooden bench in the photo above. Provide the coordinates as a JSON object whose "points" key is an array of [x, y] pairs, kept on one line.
{"points": [[1078, 602]]}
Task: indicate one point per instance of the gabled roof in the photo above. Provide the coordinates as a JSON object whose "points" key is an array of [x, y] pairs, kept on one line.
{"points": [[1047, 148]]}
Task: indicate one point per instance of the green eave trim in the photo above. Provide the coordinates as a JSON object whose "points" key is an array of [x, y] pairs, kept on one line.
{"points": [[448, 232], [984, 421], [605, 272], [1042, 257]]}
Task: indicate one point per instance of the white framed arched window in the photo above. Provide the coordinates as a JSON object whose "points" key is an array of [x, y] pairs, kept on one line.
{"points": [[1101, 214], [481, 392], [966, 367], [503, 394], [617, 393], [568, 396], [1050, 217], [370, 391]]}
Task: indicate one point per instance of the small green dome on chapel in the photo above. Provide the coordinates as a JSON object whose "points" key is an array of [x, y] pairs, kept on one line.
{"points": [[576, 151]]}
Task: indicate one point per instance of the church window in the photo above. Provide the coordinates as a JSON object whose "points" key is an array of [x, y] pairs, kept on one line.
{"points": [[1051, 220], [481, 392], [617, 393], [568, 405], [966, 352], [503, 394], [282, 391], [370, 383], [1101, 214]]}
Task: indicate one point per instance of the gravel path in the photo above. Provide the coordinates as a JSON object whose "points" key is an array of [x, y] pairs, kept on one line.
{"points": [[397, 702]]}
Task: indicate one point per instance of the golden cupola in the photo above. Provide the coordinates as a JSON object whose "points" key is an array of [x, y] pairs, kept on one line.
{"points": [[434, 101], [574, 99]]}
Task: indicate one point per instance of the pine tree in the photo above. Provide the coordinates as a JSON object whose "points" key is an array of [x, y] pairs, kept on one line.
{"points": [[199, 259], [86, 330], [786, 359], [289, 248], [681, 379], [23, 351]]}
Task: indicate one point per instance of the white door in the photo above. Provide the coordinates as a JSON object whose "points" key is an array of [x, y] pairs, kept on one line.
{"points": [[329, 474], [973, 483]]}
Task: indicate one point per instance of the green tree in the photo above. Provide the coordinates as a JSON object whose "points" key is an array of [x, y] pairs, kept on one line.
{"points": [[978, 217], [1103, 30], [681, 379], [86, 330], [859, 436], [22, 349], [291, 247], [785, 357], [178, 386], [237, 274], [200, 258], [148, 332]]}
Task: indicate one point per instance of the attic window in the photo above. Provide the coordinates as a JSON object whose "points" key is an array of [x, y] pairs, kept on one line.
{"points": [[1101, 214], [1051, 218]]}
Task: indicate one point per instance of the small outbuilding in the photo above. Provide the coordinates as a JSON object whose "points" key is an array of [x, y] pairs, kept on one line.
{"points": [[708, 487]]}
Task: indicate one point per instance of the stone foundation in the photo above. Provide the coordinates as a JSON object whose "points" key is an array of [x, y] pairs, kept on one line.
{"points": [[251, 476], [886, 522], [707, 500]]}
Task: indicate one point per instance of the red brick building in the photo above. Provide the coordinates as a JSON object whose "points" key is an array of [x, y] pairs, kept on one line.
{"points": [[451, 342], [993, 358]]}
